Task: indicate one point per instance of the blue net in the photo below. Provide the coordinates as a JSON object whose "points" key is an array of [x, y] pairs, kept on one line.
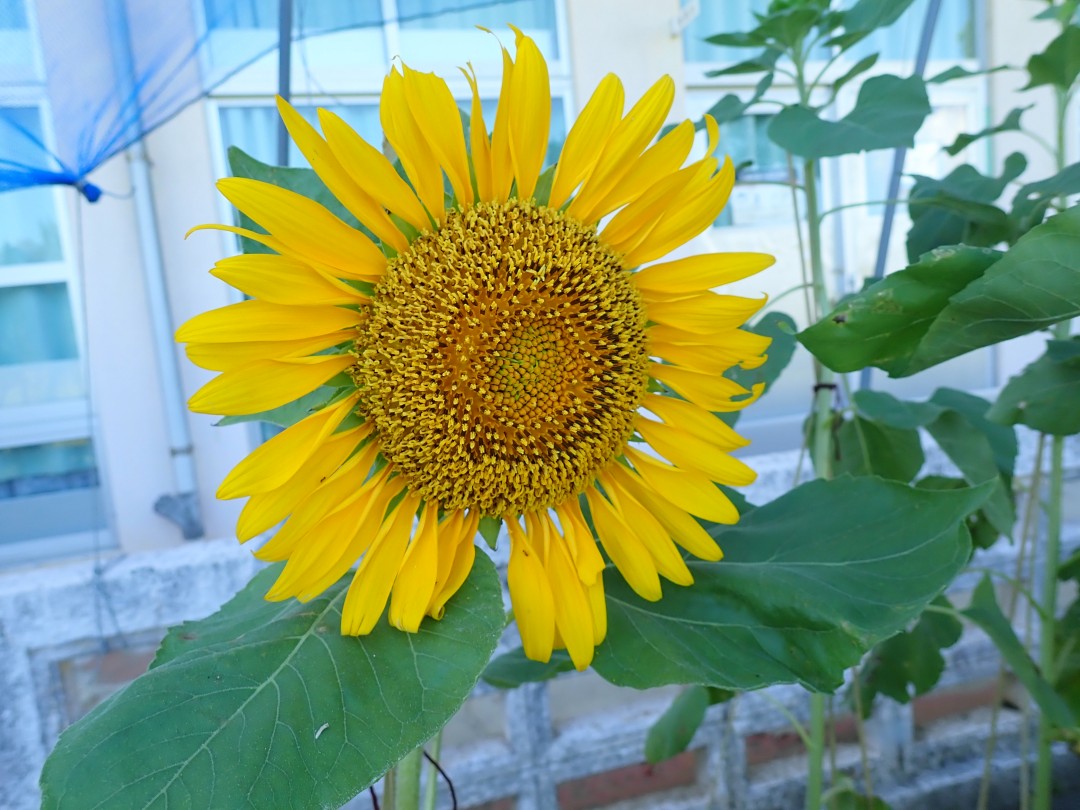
{"points": [[76, 89]]}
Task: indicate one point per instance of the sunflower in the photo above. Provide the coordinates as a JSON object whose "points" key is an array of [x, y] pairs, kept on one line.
{"points": [[496, 341]]}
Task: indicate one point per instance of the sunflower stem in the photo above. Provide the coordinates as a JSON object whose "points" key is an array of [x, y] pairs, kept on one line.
{"points": [[432, 787], [403, 783]]}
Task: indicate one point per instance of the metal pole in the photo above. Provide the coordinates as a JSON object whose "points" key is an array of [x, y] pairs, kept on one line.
{"points": [[183, 507], [899, 155], [285, 19]]}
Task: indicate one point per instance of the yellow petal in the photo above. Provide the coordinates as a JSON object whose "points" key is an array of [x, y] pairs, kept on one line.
{"points": [[689, 417], [266, 384], [598, 605], [669, 563], [411, 146], [687, 489], [375, 577], [502, 164], [227, 356], [530, 595], [266, 509], [462, 562], [686, 220], [419, 568], [660, 160], [372, 171], [580, 541], [631, 225], [688, 450], [738, 343], [711, 392], [702, 359], [262, 238], [624, 548], [369, 510], [437, 115], [305, 227], [530, 114], [627, 141], [258, 320], [277, 459], [585, 141], [682, 528], [337, 180], [573, 614], [698, 273], [479, 143], [284, 280], [346, 485]]}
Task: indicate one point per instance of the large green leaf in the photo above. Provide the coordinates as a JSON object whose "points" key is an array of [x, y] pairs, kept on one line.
{"points": [[810, 582], [986, 613], [267, 705], [955, 300], [884, 324], [1059, 64], [512, 669], [1045, 395], [910, 663], [1033, 200], [869, 15], [867, 447], [672, 732], [888, 112]]}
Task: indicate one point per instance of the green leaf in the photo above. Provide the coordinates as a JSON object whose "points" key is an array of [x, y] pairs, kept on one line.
{"points": [[984, 611], [885, 324], [888, 112], [869, 15], [782, 329], [731, 106], [268, 705], [910, 663], [809, 582], [866, 447], [1045, 395], [955, 300], [790, 26], [302, 181], [1070, 568], [857, 69], [1033, 200], [1011, 123], [1059, 64], [512, 669], [489, 529], [764, 61], [896, 413], [959, 72], [957, 209], [847, 798], [737, 39], [672, 733], [983, 533]]}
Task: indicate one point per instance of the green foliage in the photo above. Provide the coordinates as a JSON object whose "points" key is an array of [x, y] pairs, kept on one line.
{"points": [[888, 112], [512, 669], [1045, 395], [731, 106], [1059, 64], [910, 663], [489, 529], [985, 612], [1033, 200], [810, 581], [672, 733], [955, 300], [267, 704], [288, 414], [1011, 123], [958, 209], [866, 447]]}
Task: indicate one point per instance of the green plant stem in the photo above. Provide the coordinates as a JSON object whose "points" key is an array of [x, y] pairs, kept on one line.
{"points": [[403, 783], [432, 787], [815, 752]]}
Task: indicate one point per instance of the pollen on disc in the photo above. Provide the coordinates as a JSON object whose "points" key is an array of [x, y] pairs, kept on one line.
{"points": [[503, 359]]}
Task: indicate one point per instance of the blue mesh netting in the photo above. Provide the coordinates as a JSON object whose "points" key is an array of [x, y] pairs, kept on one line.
{"points": [[77, 88]]}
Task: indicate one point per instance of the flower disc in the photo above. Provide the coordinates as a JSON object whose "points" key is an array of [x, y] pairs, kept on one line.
{"points": [[504, 359]]}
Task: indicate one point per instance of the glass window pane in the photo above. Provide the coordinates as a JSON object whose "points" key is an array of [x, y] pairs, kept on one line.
{"points": [[36, 325], [28, 227], [720, 16], [954, 34], [308, 16], [425, 25], [16, 44], [47, 468], [12, 15]]}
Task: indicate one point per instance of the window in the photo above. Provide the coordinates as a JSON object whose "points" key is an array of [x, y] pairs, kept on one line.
{"points": [[954, 34], [16, 43], [50, 499]]}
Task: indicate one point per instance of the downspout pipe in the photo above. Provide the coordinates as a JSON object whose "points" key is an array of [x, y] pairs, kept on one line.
{"points": [[922, 56], [285, 29], [181, 507]]}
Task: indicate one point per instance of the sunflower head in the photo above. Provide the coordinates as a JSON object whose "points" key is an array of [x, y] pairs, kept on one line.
{"points": [[499, 341]]}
